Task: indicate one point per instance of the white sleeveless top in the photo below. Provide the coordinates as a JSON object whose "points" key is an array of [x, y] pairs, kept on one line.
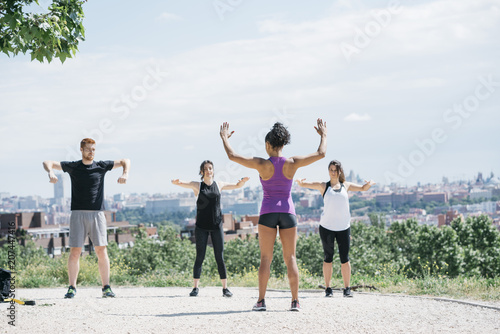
{"points": [[336, 215]]}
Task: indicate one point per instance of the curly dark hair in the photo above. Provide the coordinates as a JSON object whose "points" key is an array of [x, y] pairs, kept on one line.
{"points": [[202, 167], [278, 136]]}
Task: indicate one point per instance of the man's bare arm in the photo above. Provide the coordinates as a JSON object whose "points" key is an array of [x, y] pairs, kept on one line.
{"points": [[125, 163], [49, 167]]}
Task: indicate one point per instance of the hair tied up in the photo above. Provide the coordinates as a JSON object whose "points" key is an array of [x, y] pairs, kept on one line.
{"points": [[278, 136]]}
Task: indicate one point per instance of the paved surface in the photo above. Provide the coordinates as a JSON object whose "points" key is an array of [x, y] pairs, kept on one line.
{"points": [[171, 310]]}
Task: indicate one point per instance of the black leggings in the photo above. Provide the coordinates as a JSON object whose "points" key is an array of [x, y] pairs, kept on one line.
{"points": [[201, 236], [328, 238]]}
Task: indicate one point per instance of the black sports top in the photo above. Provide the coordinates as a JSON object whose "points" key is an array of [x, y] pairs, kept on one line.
{"points": [[87, 183], [208, 212]]}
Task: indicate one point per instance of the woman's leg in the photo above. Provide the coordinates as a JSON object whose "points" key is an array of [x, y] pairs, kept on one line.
{"points": [[327, 273], [344, 242], [327, 240], [289, 241], [218, 244], [267, 236], [345, 268], [201, 247]]}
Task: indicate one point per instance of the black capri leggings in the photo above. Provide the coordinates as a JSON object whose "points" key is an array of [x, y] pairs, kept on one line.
{"points": [[201, 236], [328, 240]]}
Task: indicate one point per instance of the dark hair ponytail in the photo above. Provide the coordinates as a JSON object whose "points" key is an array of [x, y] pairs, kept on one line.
{"points": [[278, 136]]}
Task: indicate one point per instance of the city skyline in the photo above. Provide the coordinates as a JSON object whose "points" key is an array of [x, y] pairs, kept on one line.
{"points": [[409, 91], [64, 188]]}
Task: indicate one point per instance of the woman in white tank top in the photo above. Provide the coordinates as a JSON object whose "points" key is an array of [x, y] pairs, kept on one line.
{"points": [[335, 223]]}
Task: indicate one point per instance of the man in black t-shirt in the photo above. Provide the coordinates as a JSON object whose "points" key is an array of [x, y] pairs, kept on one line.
{"points": [[87, 209]]}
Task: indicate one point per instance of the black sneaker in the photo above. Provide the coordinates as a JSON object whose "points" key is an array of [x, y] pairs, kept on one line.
{"points": [[71, 292], [348, 292], [328, 292], [260, 306], [226, 293], [295, 306], [107, 293], [194, 293]]}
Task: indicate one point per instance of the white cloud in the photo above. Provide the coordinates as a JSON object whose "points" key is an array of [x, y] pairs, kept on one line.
{"points": [[357, 118], [165, 16]]}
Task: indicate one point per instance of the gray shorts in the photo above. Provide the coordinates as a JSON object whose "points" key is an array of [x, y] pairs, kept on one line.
{"points": [[86, 222]]}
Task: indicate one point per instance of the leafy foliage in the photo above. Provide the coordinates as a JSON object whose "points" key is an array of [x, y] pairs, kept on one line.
{"points": [[54, 34], [403, 251]]}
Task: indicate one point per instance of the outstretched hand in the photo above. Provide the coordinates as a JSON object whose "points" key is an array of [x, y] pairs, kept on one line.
{"points": [[176, 182], [300, 182], [244, 179], [368, 184], [224, 131], [321, 128]]}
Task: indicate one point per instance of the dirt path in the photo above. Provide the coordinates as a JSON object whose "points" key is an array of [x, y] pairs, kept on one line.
{"points": [[171, 310]]}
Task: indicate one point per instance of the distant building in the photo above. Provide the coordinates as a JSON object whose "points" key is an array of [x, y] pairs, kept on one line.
{"points": [[440, 197], [396, 199], [59, 187], [477, 193], [484, 207], [254, 219], [159, 206], [27, 203], [446, 219], [22, 220], [228, 222], [119, 197], [242, 208]]}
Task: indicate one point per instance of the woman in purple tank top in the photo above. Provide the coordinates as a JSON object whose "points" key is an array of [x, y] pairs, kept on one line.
{"points": [[277, 211]]}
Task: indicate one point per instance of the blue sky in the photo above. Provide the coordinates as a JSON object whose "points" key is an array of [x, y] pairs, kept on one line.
{"points": [[410, 90]]}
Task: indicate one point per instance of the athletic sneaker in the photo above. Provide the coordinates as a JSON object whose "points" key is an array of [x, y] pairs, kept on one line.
{"points": [[348, 292], [226, 293], [295, 306], [194, 293], [71, 292], [107, 293], [328, 292], [260, 306]]}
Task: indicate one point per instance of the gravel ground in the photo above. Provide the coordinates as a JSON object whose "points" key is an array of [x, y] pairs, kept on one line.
{"points": [[171, 310]]}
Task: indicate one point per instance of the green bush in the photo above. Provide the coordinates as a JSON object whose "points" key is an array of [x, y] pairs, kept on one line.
{"points": [[467, 248]]}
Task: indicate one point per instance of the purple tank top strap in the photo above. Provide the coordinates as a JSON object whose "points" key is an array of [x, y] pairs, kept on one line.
{"points": [[278, 163]]}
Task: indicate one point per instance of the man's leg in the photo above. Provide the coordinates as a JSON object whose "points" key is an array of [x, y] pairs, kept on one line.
{"points": [[99, 238], [74, 265], [103, 261]]}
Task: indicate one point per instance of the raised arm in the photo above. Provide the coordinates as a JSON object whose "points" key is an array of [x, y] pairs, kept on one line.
{"points": [[301, 161], [193, 185], [356, 187], [231, 186], [250, 162], [312, 185], [125, 163], [49, 166]]}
